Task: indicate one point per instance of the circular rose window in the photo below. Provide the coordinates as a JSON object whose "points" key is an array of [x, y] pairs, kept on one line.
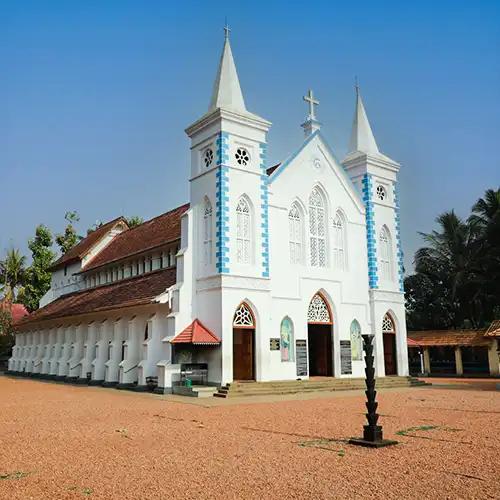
{"points": [[208, 158], [242, 156]]}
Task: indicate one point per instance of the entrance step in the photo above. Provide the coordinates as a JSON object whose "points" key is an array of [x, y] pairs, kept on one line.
{"points": [[243, 389], [195, 391]]}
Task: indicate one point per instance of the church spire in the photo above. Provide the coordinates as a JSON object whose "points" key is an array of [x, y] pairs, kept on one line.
{"points": [[227, 91], [362, 138]]}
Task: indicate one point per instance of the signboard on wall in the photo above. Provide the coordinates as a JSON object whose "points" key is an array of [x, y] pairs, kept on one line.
{"points": [[301, 355], [274, 344], [345, 357]]}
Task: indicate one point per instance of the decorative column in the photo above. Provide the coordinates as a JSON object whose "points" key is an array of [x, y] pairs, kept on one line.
{"points": [[62, 363], [74, 366], [88, 356], [128, 366], [101, 353], [427, 361], [56, 352], [372, 433], [115, 353], [458, 360], [493, 358]]}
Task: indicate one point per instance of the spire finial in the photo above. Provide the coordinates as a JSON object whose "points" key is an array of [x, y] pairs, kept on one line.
{"points": [[226, 30], [356, 84]]}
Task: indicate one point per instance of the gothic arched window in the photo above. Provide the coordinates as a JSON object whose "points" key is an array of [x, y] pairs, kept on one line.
{"points": [[356, 341], [317, 229], [318, 311], [388, 324], [385, 246], [296, 238], [207, 233], [338, 242], [243, 317], [286, 339], [243, 232]]}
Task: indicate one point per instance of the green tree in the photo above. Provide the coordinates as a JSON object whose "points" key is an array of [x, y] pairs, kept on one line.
{"points": [[67, 240], [6, 333], [134, 221], [12, 273], [38, 276]]}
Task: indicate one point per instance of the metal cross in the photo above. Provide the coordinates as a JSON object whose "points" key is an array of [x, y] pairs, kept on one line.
{"points": [[226, 31], [309, 98]]}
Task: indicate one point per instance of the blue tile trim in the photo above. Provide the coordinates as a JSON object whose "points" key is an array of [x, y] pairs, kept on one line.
{"points": [[222, 204], [399, 247], [264, 209], [367, 191]]}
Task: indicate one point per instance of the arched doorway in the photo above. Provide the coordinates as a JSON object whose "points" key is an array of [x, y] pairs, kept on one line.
{"points": [[319, 337], [389, 336], [243, 343]]}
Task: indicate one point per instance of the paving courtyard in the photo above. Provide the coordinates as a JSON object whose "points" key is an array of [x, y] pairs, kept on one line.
{"points": [[60, 441]]}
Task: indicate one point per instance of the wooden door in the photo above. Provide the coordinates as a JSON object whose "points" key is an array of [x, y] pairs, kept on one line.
{"points": [[390, 354], [320, 350], [243, 354]]}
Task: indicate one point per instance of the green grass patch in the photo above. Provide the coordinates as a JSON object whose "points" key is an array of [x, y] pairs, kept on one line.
{"points": [[14, 475], [405, 432]]}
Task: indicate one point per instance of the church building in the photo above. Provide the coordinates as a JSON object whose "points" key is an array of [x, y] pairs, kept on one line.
{"points": [[267, 273]]}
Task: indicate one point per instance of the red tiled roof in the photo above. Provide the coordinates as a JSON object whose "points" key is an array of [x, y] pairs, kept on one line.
{"points": [[151, 234], [138, 290], [17, 311], [447, 338], [196, 333], [79, 250], [494, 329]]}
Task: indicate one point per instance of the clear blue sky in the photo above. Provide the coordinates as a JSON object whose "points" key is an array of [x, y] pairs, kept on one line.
{"points": [[95, 96]]}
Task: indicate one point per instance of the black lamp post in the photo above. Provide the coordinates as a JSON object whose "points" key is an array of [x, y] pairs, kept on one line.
{"points": [[372, 433]]}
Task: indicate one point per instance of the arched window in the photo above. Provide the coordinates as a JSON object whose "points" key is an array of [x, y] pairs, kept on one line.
{"points": [[318, 311], [356, 341], [317, 229], [295, 235], [286, 340], [243, 317], [243, 232], [207, 233], [388, 324], [338, 242], [385, 254]]}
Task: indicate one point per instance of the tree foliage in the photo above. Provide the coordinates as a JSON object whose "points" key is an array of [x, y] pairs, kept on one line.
{"points": [[12, 273], [6, 333], [457, 279], [38, 276], [67, 240], [134, 221]]}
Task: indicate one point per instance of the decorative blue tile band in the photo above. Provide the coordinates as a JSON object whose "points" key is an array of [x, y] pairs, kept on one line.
{"points": [[399, 248], [222, 203], [264, 209], [370, 231]]}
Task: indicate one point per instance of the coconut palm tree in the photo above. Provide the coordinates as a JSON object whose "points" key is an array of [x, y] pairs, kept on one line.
{"points": [[12, 273]]}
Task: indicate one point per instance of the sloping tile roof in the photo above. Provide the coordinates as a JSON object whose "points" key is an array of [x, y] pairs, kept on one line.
{"points": [[196, 333], [447, 338], [79, 250], [151, 234], [134, 291], [494, 329], [17, 311]]}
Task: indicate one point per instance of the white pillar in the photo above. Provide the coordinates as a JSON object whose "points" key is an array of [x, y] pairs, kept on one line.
{"points": [[62, 362], [74, 362], [152, 348], [493, 358], [111, 375], [458, 360], [13, 359], [102, 351], [37, 364], [132, 354], [89, 347], [47, 350], [56, 351]]}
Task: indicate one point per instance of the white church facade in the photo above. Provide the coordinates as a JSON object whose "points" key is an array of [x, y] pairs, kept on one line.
{"points": [[268, 273]]}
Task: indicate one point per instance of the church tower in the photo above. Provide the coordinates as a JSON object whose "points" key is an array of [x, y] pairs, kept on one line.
{"points": [[376, 177], [229, 208]]}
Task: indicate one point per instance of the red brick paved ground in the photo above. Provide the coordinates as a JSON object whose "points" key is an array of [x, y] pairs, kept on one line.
{"points": [[62, 442]]}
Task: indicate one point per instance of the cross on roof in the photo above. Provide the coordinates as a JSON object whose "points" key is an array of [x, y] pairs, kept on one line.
{"points": [[309, 98], [226, 30]]}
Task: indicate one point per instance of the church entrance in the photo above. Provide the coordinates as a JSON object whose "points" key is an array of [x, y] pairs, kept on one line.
{"points": [[320, 338], [243, 344], [389, 336]]}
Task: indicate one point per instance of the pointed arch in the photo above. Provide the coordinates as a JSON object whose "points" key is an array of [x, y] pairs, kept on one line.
{"points": [[207, 232], [296, 233], [385, 257], [388, 325], [319, 311], [339, 241], [244, 222], [318, 229], [356, 341], [243, 316]]}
